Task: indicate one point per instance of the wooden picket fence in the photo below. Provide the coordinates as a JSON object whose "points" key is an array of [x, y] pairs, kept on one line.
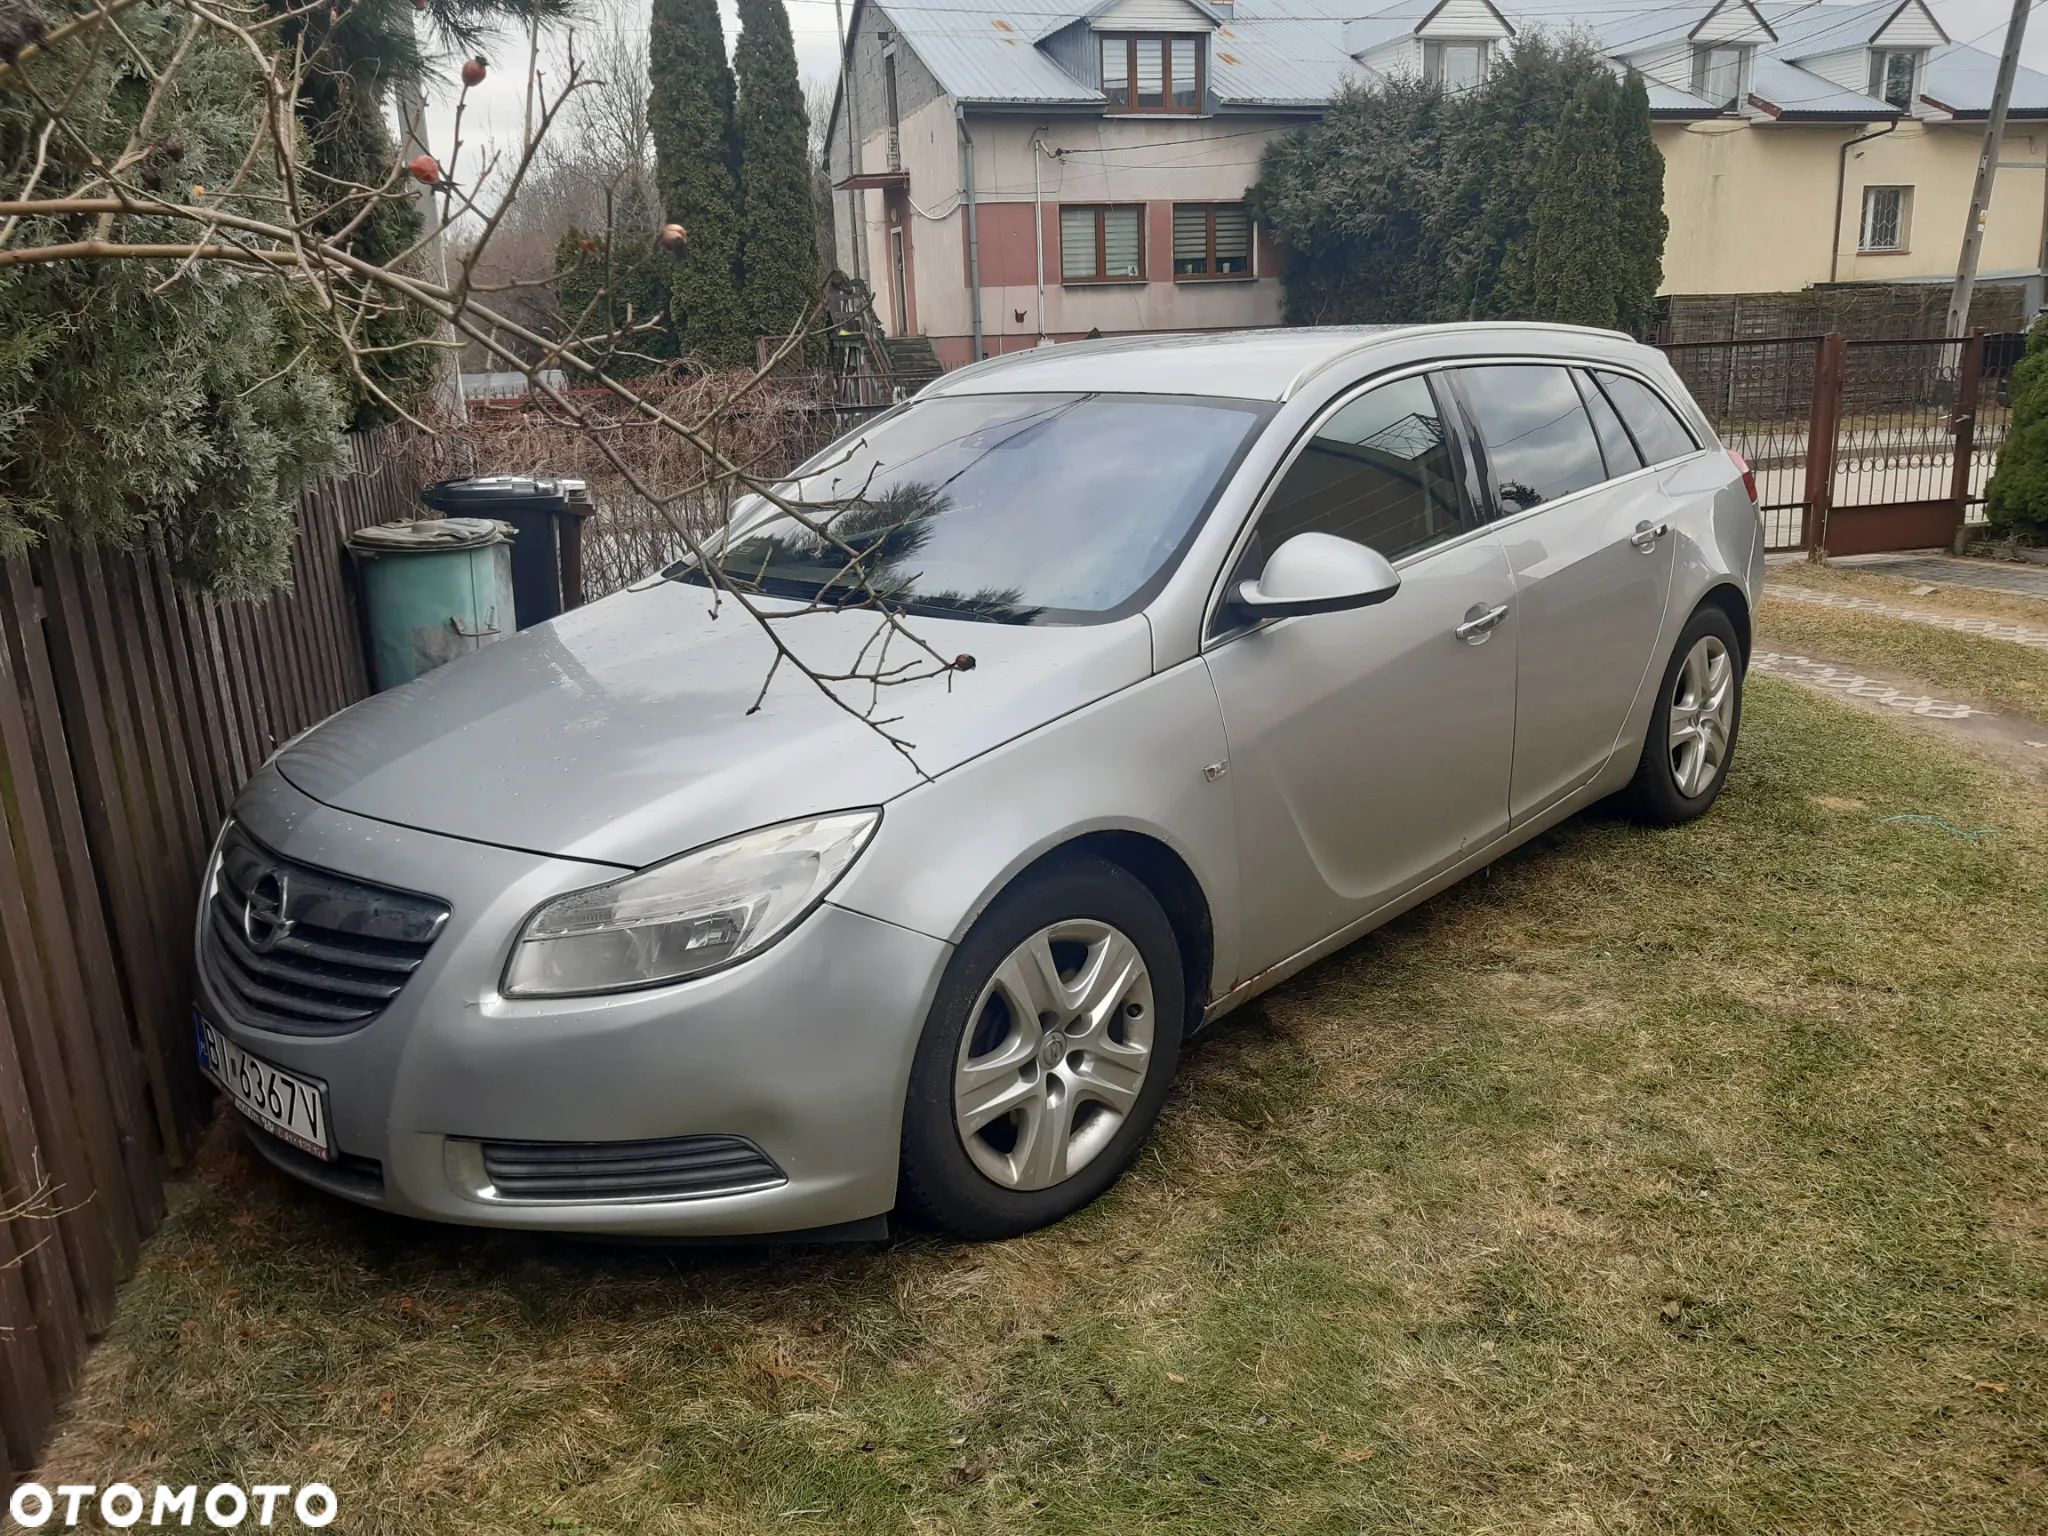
{"points": [[131, 710]]}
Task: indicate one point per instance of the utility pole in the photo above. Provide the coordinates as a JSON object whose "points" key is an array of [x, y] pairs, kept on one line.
{"points": [[1987, 168]]}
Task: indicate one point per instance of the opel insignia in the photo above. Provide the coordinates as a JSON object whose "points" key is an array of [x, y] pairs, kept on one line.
{"points": [[1274, 635]]}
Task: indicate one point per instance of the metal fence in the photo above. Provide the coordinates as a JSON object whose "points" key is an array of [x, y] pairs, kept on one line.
{"points": [[1858, 445], [131, 709], [1759, 395]]}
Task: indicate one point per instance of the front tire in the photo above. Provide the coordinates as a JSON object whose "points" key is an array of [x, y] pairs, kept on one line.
{"points": [[1690, 744], [1047, 1054]]}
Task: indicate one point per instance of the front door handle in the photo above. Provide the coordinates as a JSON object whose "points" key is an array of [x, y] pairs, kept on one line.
{"points": [[1647, 534], [1480, 621]]}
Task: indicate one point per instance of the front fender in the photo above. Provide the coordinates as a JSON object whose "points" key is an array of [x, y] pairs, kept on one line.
{"points": [[1138, 761]]}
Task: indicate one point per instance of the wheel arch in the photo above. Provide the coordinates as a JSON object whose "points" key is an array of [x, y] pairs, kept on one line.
{"points": [[1164, 873], [1729, 598]]}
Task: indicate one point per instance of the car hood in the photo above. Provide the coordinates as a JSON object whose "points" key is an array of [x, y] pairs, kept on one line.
{"points": [[625, 732]]}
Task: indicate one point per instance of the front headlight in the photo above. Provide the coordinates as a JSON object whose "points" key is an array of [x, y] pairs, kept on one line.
{"points": [[690, 915]]}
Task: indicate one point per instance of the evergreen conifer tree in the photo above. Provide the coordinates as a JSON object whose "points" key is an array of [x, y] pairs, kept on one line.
{"points": [[690, 110], [1573, 253], [1639, 199], [2016, 499], [778, 223]]}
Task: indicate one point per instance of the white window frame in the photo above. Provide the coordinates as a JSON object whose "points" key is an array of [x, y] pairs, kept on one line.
{"points": [[1880, 70], [1902, 221], [1703, 68], [1433, 52]]}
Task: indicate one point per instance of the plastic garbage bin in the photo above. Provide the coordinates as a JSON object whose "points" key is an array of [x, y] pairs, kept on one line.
{"points": [[433, 589], [547, 514]]}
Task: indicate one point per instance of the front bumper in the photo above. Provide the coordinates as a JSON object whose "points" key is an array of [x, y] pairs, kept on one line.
{"points": [[804, 1050]]}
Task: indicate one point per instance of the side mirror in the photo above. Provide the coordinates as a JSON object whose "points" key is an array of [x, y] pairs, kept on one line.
{"points": [[1318, 573]]}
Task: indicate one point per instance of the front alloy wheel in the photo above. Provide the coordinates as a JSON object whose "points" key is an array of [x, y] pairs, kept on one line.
{"points": [[1047, 1054], [1055, 1054]]}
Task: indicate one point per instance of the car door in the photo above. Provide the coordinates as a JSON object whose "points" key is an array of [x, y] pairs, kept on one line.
{"points": [[1581, 523], [1369, 749]]}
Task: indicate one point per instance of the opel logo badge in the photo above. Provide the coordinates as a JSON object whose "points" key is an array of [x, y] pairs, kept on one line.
{"points": [[264, 924]]}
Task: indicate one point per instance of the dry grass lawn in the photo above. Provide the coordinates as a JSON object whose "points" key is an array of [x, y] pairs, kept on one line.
{"points": [[1653, 1182], [2000, 675], [1948, 597]]}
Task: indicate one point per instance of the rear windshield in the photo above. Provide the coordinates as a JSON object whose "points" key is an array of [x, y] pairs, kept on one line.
{"points": [[1014, 509]]}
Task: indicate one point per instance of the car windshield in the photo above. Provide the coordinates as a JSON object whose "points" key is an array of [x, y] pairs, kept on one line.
{"points": [[1012, 509]]}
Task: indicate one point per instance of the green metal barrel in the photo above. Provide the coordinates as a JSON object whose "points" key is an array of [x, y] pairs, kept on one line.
{"points": [[433, 590]]}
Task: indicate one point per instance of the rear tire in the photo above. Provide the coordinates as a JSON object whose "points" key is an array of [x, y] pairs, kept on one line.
{"points": [[1690, 744], [1047, 1054]]}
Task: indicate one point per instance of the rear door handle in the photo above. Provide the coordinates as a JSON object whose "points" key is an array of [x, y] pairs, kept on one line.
{"points": [[1647, 534], [1479, 623]]}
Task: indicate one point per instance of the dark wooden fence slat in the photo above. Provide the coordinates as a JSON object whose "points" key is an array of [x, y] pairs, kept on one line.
{"points": [[53, 1293], [43, 958], [121, 836], [76, 885], [84, 1173]]}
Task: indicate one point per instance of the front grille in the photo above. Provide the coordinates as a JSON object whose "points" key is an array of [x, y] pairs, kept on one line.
{"points": [[321, 954], [677, 1168]]}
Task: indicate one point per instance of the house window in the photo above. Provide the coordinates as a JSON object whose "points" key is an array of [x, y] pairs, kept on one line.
{"points": [[1721, 74], [1455, 66], [1211, 240], [1886, 213], [1895, 75], [1152, 74], [1103, 244]]}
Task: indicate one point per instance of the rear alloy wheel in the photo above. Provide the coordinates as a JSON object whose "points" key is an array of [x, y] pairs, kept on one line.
{"points": [[1702, 712], [1690, 744], [1047, 1054]]}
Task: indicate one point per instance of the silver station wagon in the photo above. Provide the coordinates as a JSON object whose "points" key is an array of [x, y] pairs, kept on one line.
{"points": [[1275, 634]]}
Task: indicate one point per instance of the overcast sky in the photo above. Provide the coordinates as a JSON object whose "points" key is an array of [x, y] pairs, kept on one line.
{"points": [[494, 112]]}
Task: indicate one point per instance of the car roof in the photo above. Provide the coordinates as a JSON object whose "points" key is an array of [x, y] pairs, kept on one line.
{"points": [[1244, 365]]}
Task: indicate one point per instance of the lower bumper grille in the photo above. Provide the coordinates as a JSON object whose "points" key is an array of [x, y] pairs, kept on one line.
{"points": [[357, 1178], [675, 1168]]}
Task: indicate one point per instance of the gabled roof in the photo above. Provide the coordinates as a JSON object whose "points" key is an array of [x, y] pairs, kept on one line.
{"points": [[1959, 81], [1289, 55], [1061, 21], [1791, 94], [1808, 31]]}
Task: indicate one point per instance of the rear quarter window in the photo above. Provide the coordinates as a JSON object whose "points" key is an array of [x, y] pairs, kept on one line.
{"points": [[1653, 424]]}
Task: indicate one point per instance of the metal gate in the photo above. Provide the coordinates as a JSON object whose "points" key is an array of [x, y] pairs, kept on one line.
{"points": [[1858, 446]]}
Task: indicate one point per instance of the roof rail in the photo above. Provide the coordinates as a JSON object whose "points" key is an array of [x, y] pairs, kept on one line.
{"points": [[1403, 332]]}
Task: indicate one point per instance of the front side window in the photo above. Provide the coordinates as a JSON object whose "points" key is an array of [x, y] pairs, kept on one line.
{"points": [[1455, 66], [1895, 76], [1211, 240], [1538, 438], [1379, 471], [1015, 509], [1884, 219], [1652, 424], [1152, 73], [1718, 73], [1102, 243]]}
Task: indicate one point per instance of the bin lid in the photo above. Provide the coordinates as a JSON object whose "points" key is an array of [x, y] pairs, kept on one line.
{"points": [[511, 493], [429, 535]]}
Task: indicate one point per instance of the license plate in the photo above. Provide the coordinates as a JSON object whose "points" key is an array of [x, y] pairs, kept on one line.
{"points": [[288, 1106]]}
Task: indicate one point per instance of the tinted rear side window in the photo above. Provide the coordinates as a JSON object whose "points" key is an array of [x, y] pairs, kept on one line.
{"points": [[1620, 452], [1657, 430], [1539, 441]]}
